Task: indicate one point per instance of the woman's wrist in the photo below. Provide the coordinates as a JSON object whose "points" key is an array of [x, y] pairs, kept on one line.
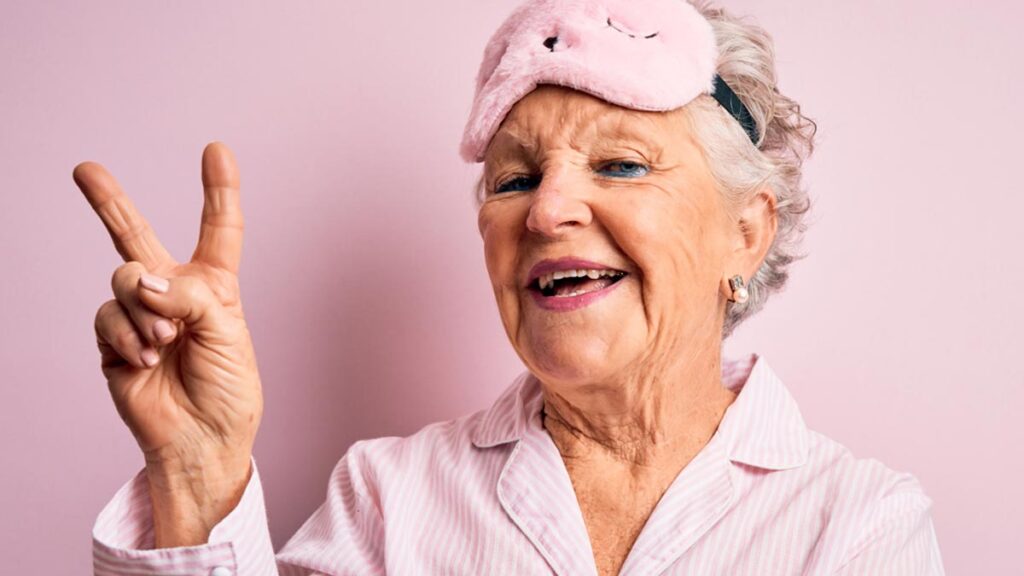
{"points": [[190, 499]]}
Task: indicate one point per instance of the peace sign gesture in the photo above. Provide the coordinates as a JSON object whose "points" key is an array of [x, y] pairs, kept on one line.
{"points": [[177, 353]]}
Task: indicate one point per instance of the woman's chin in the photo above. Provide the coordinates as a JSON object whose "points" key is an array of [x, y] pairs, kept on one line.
{"points": [[571, 359]]}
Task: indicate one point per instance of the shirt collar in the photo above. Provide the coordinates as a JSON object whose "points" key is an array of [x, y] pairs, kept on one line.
{"points": [[763, 426]]}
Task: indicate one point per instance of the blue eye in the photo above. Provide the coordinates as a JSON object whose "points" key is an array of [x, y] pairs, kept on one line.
{"points": [[518, 184], [624, 169]]}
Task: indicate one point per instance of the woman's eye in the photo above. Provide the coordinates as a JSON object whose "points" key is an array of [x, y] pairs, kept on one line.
{"points": [[624, 169], [518, 184]]}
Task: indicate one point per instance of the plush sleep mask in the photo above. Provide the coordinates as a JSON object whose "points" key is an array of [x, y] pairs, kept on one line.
{"points": [[641, 54]]}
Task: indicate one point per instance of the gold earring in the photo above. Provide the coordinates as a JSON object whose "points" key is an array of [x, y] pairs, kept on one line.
{"points": [[739, 291]]}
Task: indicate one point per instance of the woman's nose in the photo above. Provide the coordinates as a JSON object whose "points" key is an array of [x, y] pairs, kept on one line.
{"points": [[557, 207]]}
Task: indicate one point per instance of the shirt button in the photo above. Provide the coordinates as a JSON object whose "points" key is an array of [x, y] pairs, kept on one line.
{"points": [[221, 571]]}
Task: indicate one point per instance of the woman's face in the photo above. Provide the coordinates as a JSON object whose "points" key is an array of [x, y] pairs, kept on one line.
{"points": [[570, 176]]}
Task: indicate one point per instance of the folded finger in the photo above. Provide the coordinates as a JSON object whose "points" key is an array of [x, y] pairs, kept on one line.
{"points": [[118, 338], [189, 299], [157, 330]]}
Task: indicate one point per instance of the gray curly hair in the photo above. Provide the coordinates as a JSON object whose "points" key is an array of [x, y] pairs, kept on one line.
{"points": [[740, 168], [746, 62]]}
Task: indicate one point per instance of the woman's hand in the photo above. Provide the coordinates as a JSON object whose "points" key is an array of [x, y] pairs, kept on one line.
{"points": [[177, 353]]}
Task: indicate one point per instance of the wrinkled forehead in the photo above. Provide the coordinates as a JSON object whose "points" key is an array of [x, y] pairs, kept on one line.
{"points": [[640, 54], [555, 120], [554, 113]]}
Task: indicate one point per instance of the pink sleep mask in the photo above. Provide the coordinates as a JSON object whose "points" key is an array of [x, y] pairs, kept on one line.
{"points": [[640, 54]]}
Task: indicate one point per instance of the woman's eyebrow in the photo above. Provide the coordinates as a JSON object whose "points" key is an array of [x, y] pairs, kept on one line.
{"points": [[506, 145], [648, 149], [510, 138], [634, 135], [638, 135]]}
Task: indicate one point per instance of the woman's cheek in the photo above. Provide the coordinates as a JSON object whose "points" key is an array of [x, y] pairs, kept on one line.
{"points": [[493, 236], [500, 254]]}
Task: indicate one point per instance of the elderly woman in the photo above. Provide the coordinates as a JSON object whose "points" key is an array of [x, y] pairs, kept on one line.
{"points": [[640, 197]]}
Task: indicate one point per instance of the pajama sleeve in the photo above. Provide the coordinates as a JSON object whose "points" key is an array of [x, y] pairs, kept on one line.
{"points": [[342, 537]]}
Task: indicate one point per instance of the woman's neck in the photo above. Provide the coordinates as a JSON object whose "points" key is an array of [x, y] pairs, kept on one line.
{"points": [[645, 420]]}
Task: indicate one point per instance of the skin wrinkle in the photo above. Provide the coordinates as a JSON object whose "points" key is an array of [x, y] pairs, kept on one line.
{"points": [[632, 383]]}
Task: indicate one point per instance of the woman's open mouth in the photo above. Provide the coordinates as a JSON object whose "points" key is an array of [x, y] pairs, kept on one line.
{"points": [[573, 289]]}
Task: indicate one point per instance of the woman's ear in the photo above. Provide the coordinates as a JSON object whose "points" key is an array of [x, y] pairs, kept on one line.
{"points": [[758, 223]]}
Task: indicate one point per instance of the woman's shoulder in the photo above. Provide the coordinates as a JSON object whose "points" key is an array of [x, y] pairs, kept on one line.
{"points": [[497, 424], [437, 455], [437, 445], [767, 431], [468, 448], [872, 512], [443, 435], [860, 477], [865, 501]]}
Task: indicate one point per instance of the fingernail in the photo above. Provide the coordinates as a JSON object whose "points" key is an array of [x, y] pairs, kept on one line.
{"points": [[149, 357], [154, 283], [163, 330]]}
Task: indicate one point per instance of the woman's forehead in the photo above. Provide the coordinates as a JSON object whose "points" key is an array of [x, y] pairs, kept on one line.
{"points": [[556, 116]]}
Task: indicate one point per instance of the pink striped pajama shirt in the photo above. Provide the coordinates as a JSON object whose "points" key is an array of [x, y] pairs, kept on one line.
{"points": [[488, 493]]}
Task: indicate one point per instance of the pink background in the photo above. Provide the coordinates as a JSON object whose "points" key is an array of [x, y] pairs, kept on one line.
{"points": [[363, 276]]}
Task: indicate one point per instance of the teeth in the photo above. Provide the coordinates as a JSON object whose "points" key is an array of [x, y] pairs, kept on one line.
{"points": [[548, 280]]}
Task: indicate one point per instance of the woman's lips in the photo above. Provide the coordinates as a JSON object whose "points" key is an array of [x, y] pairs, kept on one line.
{"points": [[567, 303]]}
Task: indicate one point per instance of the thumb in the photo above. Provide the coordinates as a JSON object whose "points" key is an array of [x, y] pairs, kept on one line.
{"points": [[185, 298]]}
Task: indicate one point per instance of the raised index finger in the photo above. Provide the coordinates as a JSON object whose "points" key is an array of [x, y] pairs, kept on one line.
{"points": [[220, 232], [132, 235]]}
